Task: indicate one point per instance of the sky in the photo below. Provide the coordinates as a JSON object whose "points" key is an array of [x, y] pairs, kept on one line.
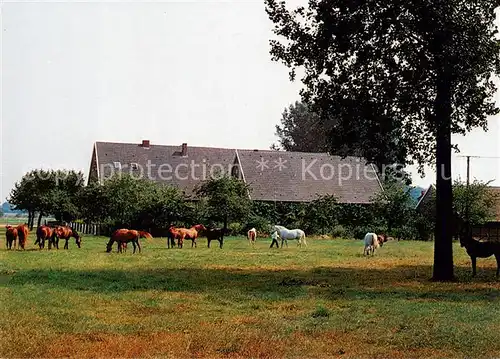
{"points": [[73, 73]]}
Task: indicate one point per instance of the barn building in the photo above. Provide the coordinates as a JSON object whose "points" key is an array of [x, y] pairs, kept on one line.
{"points": [[271, 175]]}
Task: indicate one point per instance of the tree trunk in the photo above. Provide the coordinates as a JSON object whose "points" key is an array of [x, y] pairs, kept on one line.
{"points": [[443, 244], [31, 217], [40, 215]]}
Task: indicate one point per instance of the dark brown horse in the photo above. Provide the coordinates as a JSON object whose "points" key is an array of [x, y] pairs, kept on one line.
{"points": [[22, 232], [44, 233], [64, 232], [191, 233], [11, 236], [477, 248], [215, 234], [124, 235]]}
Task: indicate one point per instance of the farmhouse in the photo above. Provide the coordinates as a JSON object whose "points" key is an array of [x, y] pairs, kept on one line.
{"points": [[271, 175]]}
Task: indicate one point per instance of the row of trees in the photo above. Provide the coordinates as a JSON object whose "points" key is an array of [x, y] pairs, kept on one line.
{"points": [[123, 201], [126, 201]]}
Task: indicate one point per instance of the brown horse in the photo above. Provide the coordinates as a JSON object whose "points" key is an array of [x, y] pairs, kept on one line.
{"points": [[11, 236], [64, 232], [44, 233], [22, 232], [191, 233], [122, 236], [172, 235], [382, 238]]}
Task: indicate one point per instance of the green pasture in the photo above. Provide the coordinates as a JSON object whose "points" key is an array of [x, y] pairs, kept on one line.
{"points": [[326, 300]]}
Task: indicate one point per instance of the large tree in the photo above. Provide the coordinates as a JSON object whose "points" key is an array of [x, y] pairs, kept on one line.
{"points": [[421, 69]]}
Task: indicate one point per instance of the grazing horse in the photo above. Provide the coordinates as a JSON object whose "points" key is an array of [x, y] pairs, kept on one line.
{"points": [[252, 235], [11, 236], [44, 233], [382, 238], [286, 234], [191, 233], [479, 249], [215, 234], [172, 234], [371, 243], [64, 232], [122, 236], [22, 232]]}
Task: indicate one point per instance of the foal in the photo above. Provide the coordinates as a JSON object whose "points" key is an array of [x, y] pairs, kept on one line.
{"points": [[251, 235], [11, 236]]}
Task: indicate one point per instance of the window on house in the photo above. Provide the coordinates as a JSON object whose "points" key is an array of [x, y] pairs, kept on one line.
{"points": [[117, 165], [134, 165]]}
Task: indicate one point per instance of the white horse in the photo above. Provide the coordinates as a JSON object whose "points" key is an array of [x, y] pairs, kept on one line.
{"points": [[252, 236], [286, 234], [371, 243]]}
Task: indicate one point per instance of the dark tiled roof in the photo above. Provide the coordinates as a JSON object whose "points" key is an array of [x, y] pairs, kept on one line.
{"points": [[304, 176], [164, 161], [300, 177]]}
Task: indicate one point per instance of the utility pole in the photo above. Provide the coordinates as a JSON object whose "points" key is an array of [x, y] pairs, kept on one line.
{"points": [[467, 188]]}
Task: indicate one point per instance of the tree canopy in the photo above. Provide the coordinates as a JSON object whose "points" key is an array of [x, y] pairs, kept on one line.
{"points": [[226, 198], [300, 130], [418, 69], [48, 192]]}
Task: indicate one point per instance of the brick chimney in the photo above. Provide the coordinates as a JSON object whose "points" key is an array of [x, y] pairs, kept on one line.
{"points": [[145, 143], [184, 150]]}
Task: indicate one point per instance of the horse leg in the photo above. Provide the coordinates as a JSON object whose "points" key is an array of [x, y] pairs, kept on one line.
{"points": [[139, 245], [66, 244], [208, 241], [221, 241], [133, 243]]}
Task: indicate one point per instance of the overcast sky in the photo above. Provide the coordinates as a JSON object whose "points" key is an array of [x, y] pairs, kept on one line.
{"points": [[171, 72]]}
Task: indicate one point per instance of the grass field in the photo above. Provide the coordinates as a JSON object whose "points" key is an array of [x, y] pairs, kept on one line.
{"points": [[326, 300]]}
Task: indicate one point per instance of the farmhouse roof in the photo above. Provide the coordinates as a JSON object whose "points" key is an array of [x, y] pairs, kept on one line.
{"points": [[426, 196], [271, 175]]}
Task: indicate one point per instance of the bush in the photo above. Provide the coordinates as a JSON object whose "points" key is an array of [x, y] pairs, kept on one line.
{"points": [[339, 231], [235, 229], [261, 224]]}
